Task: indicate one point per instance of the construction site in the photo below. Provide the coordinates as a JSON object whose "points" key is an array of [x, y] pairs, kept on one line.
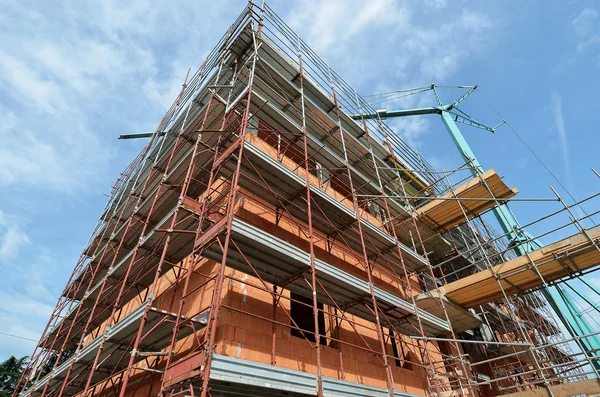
{"points": [[275, 237]]}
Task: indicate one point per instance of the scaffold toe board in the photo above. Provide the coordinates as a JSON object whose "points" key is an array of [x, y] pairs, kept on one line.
{"points": [[110, 342], [445, 212], [278, 260], [234, 377], [561, 259], [461, 319], [337, 211], [108, 282]]}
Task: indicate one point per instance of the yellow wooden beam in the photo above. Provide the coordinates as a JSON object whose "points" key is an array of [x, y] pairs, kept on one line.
{"points": [[446, 212], [554, 261]]}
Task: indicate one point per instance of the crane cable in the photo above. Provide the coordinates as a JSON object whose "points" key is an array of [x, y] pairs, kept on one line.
{"points": [[17, 336], [536, 156], [397, 95], [392, 95]]}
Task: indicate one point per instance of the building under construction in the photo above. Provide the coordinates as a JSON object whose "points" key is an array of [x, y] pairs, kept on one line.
{"points": [[276, 238]]}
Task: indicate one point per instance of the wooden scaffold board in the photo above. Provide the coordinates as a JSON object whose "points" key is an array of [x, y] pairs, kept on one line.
{"points": [[445, 212], [554, 261]]}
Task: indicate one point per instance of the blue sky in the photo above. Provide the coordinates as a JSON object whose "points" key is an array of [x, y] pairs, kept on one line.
{"points": [[72, 78]]}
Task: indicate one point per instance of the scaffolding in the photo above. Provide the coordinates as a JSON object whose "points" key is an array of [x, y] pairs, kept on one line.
{"points": [[259, 196]]}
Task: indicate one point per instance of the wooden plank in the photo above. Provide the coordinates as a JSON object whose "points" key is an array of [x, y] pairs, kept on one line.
{"points": [[444, 213], [577, 251], [451, 209], [444, 209], [588, 386]]}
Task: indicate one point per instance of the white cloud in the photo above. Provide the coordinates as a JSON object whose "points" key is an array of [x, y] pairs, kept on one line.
{"points": [[23, 316], [10, 242], [90, 67], [14, 324], [562, 134], [332, 25], [413, 44], [585, 26], [26, 85], [441, 67], [60, 81], [335, 27], [138, 16], [12, 238], [26, 294], [435, 5], [440, 49], [164, 91], [38, 272], [39, 152], [588, 42], [16, 303], [585, 21], [411, 129], [473, 21]]}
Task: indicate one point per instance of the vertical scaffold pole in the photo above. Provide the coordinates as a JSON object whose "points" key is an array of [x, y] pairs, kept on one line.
{"points": [[311, 243], [230, 213], [153, 288], [394, 234], [538, 366], [367, 261]]}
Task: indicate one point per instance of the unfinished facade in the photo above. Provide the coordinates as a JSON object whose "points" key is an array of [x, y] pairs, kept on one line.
{"points": [[271, 241]]}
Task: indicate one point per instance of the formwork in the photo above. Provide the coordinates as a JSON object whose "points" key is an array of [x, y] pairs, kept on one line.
{"points": [[268, 242]]}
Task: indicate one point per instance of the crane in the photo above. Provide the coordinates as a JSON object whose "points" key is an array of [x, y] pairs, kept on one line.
{"points": [[520, 241]]}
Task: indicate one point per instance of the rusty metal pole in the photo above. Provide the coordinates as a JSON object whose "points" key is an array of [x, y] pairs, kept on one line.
{"points": [[367, 262], [193, 263], [102, 287], [152, 290], [230, 213], [395, 236], [311, 242]]}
